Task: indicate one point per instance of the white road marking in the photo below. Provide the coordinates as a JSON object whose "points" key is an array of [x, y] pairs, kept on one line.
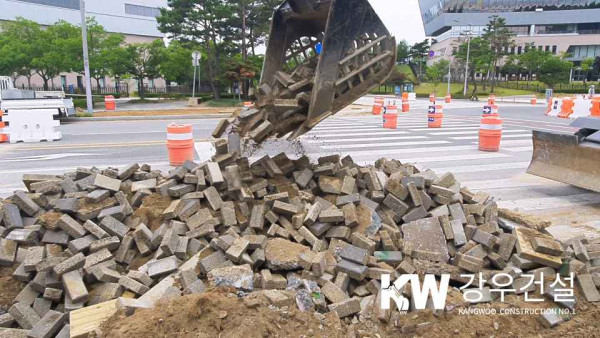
{"points": [[446, 133], [551, 202], [477, 137], [396, 144], [397, 132], [504, 184], [482, 167], [395, 152], [519, 149], [366, 139], [47, 157], [448, 158]]}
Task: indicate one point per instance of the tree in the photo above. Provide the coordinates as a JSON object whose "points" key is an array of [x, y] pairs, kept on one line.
{"points": [[19, 45], [555, 70], [144, 62], [480, 57], [532, 59], [586, 67], [106, 52], [418, 53], [403, 52], [512, 66], [500, 40], [58, 48], [204, 22], [436, 72], [176, 63]]}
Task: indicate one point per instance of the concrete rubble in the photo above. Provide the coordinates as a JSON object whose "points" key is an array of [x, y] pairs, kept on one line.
{"points": [[321, 233]]}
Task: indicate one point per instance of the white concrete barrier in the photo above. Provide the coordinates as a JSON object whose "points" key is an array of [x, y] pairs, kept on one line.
{"points": [[32, 125]]}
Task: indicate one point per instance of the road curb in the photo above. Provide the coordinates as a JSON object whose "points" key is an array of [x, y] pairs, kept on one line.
{"points": [[148, 118]]}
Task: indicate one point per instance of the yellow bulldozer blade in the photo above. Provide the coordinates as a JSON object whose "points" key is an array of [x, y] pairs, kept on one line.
{"points": [[569, 158]]}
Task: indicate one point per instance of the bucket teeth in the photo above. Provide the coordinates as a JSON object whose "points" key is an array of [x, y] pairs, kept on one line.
{"points": [[317, 64]]}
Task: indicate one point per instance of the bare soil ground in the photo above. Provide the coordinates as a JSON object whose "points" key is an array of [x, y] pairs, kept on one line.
{"points": [[221, 313]]}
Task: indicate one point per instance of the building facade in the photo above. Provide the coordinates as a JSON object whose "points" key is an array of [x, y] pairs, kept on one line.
{"points": [[135, 19], [557, 26]]}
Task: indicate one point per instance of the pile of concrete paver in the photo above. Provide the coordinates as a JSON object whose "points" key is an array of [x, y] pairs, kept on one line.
{"points": [[316, 235]]}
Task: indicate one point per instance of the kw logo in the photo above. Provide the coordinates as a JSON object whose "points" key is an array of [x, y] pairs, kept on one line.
{"points": [[419, 294]]}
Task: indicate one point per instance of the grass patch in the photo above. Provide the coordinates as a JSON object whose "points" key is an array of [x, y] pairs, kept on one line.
{"points": [[223, 103], [84, 115], [142, 101]]}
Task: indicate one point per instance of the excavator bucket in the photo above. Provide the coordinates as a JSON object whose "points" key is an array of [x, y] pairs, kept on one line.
{"points": [[322, 55], [569, 158]]}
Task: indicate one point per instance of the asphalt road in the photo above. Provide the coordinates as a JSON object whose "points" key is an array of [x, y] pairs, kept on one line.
{"points": [[354, 132]]}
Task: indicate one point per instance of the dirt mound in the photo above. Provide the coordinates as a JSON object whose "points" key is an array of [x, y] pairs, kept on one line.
{"points": [[220, 313], [9, 288]]}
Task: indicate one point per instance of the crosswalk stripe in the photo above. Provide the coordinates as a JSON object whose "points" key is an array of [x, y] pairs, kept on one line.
{"points": [[483, 167], [504, 184], [446, 133], [367, 139], [519, 149], [380, 126], [394, 144], [448, 158], [396, 152], [471, 127], [477, 137], [318, 135], [543, 203]]}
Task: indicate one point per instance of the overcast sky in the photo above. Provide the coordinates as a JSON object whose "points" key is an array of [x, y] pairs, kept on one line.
{"points": [[402, 18]]}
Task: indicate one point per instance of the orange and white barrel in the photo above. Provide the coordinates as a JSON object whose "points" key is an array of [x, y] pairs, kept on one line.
{"points": [[3, 137], [490, 134], [390, 117], [448, 98], [378, 105], [432, 97], [567, 108], [492, 100], [405, 96], [435, 116], [534, 101], [180, 143], [110, 103], [405, 106], [248, 104], [490, 111]]}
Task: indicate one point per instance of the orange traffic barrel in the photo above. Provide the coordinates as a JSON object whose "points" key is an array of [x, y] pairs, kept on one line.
{"points": [[180, 143], [534, 101], [448, 98], [567, 107], [490, 111], [390, 120], [492, 100], [405, 96], [405, 106], [3, 137], [110, 103], [432, 98], [378, 106], [490, 134], [435, 116], [595, 110], [248, 104]]}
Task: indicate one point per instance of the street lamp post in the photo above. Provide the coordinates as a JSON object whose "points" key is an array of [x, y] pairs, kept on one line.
{"points": [[467, 64], [86, 59], [469, 32]]}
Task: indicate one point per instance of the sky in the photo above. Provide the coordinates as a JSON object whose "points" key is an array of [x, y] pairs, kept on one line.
{"points": [[402, 18]]}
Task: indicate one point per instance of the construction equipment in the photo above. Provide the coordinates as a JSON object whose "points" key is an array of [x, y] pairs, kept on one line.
{"points": [[322, 55], [18, 99], [569, 158]]}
